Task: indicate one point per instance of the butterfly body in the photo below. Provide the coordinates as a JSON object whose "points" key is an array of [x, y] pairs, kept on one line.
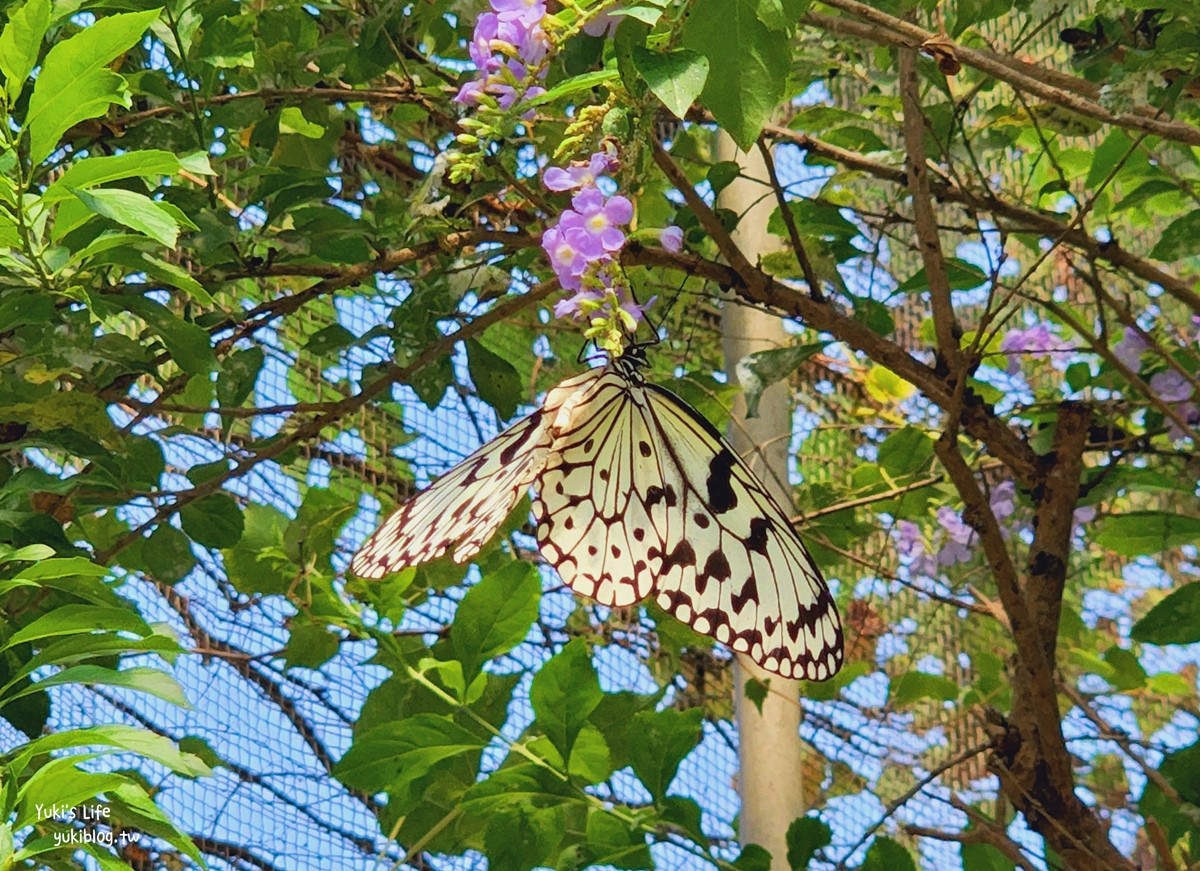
{"points": [[637, 495]]}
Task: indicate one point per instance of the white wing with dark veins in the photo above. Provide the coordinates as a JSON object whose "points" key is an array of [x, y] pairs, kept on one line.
{"points": [[640, 495], [464, 508]]}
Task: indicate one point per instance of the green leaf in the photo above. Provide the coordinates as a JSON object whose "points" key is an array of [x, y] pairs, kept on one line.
{"points": [[522, 837], [961, 275], [495, 615], [906, 452], [753, 857], [887, 855], [60, 783], [144, 680], [80, 619], [748, 64], [1178, 240], [176, 276], [214, 521], [168, 554], [20, 42], [92, 171], [1174, 620], [133, 210], [401, 753], [564, 692], [913, 686], [1136, 533], [189, 344], [663, 739], [239, 373], [258, 563], [720, 175], [614, 843], [292, 120], [805, 836], [310, 645], [129, 738], [758, 371], [645, 14], [1127, 672], [1110, 152], [984, 857], [574, 85], [675, 77], [77, 67], [590, 761], [132, 803], [756, 691], [495, 379]]}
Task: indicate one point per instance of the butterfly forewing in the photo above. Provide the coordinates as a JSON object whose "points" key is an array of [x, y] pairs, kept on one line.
{"points": [[466, 506]]}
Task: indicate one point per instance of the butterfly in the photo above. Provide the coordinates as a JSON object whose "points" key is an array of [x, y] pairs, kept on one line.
{"points": [[637, 495]]}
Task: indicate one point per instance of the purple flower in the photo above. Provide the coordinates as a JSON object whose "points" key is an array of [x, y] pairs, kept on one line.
{"points": [[604, 24], [602, 216], [468, 94], [637, 310], [1037, 341], [1004, 499], [910, 545], [608, 304], [506, 43], [1191, 415], [1171, 386], [671, 238], [579, 175], [1129, 349], [528, 12], [564, 247], [571, 307], [961, 538]]}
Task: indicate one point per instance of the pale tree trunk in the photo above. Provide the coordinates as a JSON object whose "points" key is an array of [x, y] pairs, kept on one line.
{"points": [[769, 749]]}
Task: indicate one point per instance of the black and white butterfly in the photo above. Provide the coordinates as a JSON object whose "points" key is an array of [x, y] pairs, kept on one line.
{"points": [[637, 495]]}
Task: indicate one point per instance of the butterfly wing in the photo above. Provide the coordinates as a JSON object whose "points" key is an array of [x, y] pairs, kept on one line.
{"points": [[641, 494], [594, 524], [734, 567], [466, 506]]}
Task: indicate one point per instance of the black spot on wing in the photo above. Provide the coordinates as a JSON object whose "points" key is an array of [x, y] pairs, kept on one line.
{"points": [[721, 497], [682, 555], [717, 566], [757, 539], [748, 594]]}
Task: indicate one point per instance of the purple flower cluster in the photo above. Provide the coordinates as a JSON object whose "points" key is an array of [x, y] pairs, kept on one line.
{"points": [[507, 47], [1130, 349], [585, 244], [956, 541], [1036, 341], [1168, 385], [1172, 388]]}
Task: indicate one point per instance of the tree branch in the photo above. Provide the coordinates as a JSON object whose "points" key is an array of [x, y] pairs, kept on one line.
{"points": [[1067, 91], [928, 242], [1043, 223]]}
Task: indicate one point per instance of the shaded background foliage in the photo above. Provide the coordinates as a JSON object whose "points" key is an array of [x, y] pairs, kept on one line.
{"points": [[244, 308]]}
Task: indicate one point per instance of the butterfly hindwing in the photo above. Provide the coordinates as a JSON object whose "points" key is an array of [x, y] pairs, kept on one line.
{"points": [[734, 567]]}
